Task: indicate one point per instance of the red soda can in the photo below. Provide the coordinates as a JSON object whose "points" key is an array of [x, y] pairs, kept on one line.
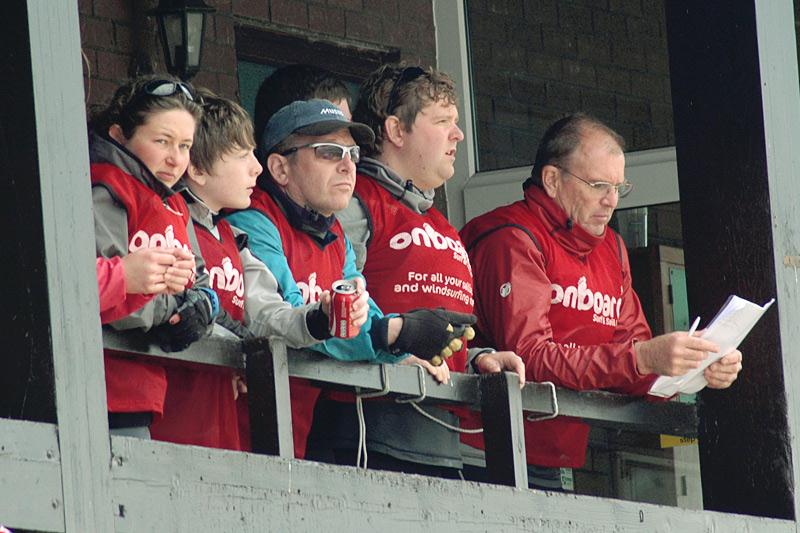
{"points": [[344, 294]]}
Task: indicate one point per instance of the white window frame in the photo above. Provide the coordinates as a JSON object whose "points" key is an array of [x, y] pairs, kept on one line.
{"points": [[471, 193]]}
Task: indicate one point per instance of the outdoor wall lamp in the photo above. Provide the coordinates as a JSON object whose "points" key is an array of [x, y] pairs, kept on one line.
{"points": [[181, 24]]}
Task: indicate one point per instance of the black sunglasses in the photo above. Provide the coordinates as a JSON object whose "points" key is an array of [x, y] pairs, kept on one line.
{"points": [[407, 75], [168, 88]]}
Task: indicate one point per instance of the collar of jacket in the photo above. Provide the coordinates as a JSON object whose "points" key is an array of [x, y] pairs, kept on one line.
{"points": [[404, 190], [106, 150], [566, 232], [201, 213], [300, 218]]}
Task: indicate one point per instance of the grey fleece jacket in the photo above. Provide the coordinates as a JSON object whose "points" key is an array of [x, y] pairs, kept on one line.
{"points": [[111, 229], [266, 312]]}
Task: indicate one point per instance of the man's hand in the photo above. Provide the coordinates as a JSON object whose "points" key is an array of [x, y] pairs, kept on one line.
{"points": [[360, 307], [722, 374], [440, 373], [359, 310], [672, 354], [239, 384], [429, 333], [493, 362]]}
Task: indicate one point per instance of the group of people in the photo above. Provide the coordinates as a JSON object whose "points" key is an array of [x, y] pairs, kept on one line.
{"points": [[205, 224]]}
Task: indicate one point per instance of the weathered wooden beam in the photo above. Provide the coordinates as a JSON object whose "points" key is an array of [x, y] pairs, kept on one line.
{"points": [[619, 411], [30, 476], [737, 121], [501, 412], [67, 245], [595, 407], [268, 398], [220, 351], [168, 487]]}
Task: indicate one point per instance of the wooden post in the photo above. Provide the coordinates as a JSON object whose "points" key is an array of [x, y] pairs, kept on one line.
{"points": [[53, 336], [501, 410], [737, 124], [268, 398]]}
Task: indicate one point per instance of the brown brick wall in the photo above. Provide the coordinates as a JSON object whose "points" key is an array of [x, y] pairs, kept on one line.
{"points": [[535, 60], [119, 40]]}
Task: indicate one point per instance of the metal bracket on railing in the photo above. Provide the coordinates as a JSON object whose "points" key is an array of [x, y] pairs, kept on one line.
{"points": [[384, 383], [423, 393], [553, 402]]}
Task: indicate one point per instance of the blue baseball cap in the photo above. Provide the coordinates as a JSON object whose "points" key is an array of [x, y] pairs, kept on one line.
{"points": [[311, 117]]}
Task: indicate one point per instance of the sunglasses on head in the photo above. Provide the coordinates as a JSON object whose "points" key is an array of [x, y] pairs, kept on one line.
{"points": [[329, 151], [168, 88], [407, 75]]}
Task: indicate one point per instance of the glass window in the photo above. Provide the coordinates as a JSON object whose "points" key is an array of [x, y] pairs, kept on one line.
{"points": [[532, 62]]}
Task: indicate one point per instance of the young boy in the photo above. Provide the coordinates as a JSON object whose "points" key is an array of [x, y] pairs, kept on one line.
{"points": [[201, 404]]}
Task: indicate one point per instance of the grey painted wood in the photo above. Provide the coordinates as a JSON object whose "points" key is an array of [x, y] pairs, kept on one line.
{"points": [[212, 351], [595, 407], [501, 412], [30, 476], [619, 411], [164, 487], [781, 107], [269, 401], [67, 227]]}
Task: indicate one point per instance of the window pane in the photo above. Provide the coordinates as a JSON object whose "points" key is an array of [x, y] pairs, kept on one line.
{"points": [[534, 61]]}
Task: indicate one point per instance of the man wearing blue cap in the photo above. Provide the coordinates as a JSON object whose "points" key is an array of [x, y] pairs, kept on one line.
{"points": [[311, 150]]}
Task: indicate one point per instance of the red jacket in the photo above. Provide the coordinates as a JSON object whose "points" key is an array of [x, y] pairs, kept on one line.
{"points": [[562, 299]]}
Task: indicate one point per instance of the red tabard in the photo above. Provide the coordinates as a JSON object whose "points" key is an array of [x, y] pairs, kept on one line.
{"points": [[200, 408], [133, 385], [314, 269], [414, 260]]}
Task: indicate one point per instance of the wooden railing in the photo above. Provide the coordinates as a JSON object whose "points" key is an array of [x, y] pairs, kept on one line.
{"points": [[268, 366]]}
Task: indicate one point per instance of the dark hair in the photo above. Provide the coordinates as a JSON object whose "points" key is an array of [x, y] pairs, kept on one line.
{"points": [[295, 82], [408, 99], [562, 139], [131, 105], [225, 127]]}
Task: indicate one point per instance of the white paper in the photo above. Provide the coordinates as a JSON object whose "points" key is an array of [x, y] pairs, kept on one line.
{"points": [[727, 330]]}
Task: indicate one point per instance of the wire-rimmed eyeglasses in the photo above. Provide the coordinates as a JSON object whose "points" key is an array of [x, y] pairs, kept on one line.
{"points": [[602, 188]]}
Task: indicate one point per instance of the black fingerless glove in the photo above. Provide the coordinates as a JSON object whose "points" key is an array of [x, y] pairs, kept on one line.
{"points": [[426, 332], [197, 309], [318, 324]]}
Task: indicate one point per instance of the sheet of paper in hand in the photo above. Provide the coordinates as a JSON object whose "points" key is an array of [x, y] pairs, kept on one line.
{"points": [[728, 329]]}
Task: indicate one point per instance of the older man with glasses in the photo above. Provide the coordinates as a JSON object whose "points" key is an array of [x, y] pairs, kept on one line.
{"points": [[311, 151], [553, 283]]}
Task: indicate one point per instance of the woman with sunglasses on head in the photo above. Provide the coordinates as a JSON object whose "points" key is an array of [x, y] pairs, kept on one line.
{"points": [[139, 149]]}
